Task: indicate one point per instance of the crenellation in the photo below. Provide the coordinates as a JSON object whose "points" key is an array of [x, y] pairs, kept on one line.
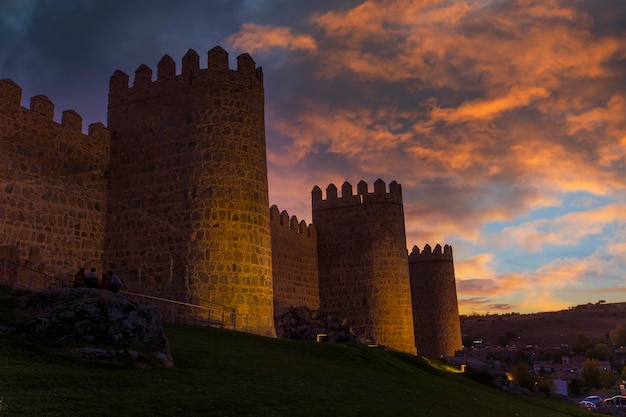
{"points": [[99, 132], [395, 188], [380, 187], [316, 194], [72, 121], [118, 82], [274, 213], [42, 105], [246, 65], [380, 195], [218, 60], [362, 188], [438, 253], [346, 189], [10, 93], [166, 69], [331, 192], [293, 224], [143, 77], [191, 65]]}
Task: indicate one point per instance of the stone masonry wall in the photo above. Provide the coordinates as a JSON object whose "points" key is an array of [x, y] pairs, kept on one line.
{"points": [[188, 210], [363, 262], [294, 263], [52, 184], [435, 307]]}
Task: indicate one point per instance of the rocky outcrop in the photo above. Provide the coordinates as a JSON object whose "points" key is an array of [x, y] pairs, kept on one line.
{"points": [[98, 324], [302, 323]]}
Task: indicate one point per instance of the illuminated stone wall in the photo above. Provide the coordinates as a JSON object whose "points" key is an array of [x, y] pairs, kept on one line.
{"points": [[294, 263], [52, 184], [174, 197], [435, 307], [188, 200], [363, 264]]}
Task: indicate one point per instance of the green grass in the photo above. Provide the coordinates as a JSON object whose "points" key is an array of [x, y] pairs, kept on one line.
{"points": [[224, 373]]}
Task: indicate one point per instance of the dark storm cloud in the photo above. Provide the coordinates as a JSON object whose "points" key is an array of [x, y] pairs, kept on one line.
{"points": [[69, 49]]}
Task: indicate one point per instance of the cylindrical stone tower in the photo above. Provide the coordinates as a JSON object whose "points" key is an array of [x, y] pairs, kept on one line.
{"points": [[363, 266], [435, 305], [188, 195]]}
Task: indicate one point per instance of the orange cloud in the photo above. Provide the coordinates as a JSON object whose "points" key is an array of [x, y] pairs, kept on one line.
{"points": [[488, 109], [255, 38], [486, 112]]}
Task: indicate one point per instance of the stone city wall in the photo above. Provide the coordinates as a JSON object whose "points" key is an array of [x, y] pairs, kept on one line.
{"points": [[52, 184], [294, 263]]}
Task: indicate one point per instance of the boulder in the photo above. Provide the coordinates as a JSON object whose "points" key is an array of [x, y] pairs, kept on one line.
{"points": [[302, 323], [97, 324]]}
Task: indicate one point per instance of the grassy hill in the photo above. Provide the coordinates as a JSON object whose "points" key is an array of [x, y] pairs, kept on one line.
{"points": [[223, 373], [594, 321]]}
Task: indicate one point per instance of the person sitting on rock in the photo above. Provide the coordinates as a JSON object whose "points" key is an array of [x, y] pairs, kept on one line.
{"points": [[115, 282], [105, 282], [79, 278], [91, 279]]}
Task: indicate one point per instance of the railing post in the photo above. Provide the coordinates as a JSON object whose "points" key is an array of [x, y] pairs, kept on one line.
{"points": [[233, 320]]}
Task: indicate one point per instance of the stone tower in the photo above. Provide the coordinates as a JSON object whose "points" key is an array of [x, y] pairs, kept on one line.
{"points": [[363, 265], [435, 307], [187, 216]]}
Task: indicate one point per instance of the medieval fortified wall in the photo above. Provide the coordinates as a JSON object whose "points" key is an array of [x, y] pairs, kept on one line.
{"points": [[173, 195]]}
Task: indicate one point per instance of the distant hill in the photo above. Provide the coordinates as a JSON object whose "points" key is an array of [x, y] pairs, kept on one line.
{"points": [[594, 321]]}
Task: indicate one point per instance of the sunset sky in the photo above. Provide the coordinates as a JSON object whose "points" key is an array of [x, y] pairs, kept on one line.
{"points": [[504, 120]]}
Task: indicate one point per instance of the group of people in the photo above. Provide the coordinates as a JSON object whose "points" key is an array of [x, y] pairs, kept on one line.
{"points": [[91, 279]]}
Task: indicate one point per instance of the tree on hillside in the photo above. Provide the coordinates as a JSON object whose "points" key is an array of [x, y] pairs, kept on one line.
{"points": [[590, 373], [618, 335], [524, 377], [601, 351], [608, 379]]}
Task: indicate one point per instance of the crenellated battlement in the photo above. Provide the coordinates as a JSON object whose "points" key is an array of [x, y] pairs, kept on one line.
{"points": [[42, 109], [191, 74], [283, 220], [362, 196], [428, 254]]}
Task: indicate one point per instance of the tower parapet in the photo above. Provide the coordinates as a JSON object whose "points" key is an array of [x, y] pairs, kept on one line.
{"points": [[282, 219], [428, 254], [363, 262], [362, 196], [217, 71], [434, 300]]}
